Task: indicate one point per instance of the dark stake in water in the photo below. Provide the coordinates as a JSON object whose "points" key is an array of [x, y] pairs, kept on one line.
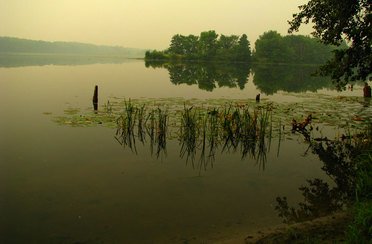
{"points": [[95, 98]]}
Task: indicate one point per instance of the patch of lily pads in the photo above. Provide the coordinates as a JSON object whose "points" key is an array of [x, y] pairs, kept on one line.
{"points": [[338, 112]]}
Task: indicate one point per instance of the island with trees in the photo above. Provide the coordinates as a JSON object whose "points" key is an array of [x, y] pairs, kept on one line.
{"points": [[270, 47], [209, 46]]}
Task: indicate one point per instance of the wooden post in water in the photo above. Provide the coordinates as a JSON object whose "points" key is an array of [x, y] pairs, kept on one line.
{"points": [[258, 97], [95, 98]]}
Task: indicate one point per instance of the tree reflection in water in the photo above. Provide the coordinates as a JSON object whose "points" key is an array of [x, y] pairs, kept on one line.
{"points": [[320, 199], [207, 76], [268, 79]]}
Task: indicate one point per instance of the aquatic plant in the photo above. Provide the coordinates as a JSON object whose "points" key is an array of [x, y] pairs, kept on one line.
{"points": [[161, 130], [202, 127], [141, 123], [134, 122], [126, 122], [188, 133]]}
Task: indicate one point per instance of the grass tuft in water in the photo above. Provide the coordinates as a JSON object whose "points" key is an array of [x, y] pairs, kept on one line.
{"points": [[188, 133], [200, 130]]}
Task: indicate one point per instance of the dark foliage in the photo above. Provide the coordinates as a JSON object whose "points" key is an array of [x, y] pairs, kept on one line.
{"points": [[271, 47], [335, 21], [209, 46]]}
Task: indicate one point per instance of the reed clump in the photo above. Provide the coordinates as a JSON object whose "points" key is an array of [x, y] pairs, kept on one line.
{"points": [[189, 132], [199, 130], [231, 127], [135, 122]]}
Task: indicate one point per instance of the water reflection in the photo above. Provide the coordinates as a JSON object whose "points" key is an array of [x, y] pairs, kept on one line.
{"points": [[269, 79], [207, 76], [320, 199], [20, 60]]}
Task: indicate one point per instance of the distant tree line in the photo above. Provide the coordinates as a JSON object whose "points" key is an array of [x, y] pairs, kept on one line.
{"points": [[271, 47], [208, 46], [12, 45]]}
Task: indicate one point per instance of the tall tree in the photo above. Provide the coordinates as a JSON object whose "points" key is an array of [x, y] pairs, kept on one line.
{"points": [[226, 47], [191, 45], [334, 21], [228, 42], [271, 48], [177, 44], [208, 43], [244, 49]]}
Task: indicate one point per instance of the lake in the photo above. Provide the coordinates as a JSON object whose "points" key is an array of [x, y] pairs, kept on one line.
{"points": [[71, 183]]}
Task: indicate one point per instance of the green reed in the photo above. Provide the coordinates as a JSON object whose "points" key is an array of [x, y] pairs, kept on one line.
{"points": [[141, 113], [264, 122], [161, 130], [200, 130], [279, 137], [189, 132], [136, 119], [126, 122], [212, 131], [249, 133]]}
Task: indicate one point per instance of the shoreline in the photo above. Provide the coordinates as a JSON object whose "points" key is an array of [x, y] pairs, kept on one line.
{"points": [[327, 229]]}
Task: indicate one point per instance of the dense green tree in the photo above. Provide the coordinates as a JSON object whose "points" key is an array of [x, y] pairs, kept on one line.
{"points": [[243, 49], [183, 45], [191, 45], [155, 55], [334, 21], [177, 45], [208, 44], [271, 47], [227, 42], [226, 47]]}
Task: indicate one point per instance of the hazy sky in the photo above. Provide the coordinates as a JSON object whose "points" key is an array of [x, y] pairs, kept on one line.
{"points": [[142, 23]]}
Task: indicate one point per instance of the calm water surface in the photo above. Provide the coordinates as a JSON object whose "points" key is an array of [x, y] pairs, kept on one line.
{"points": [[60, 184]]}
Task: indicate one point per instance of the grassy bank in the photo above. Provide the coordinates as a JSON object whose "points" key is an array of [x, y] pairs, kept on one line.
{"points": [[360, 230]]}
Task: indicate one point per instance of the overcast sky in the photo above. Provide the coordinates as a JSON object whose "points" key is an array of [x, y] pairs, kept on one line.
{"points": [[142, 23]]}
